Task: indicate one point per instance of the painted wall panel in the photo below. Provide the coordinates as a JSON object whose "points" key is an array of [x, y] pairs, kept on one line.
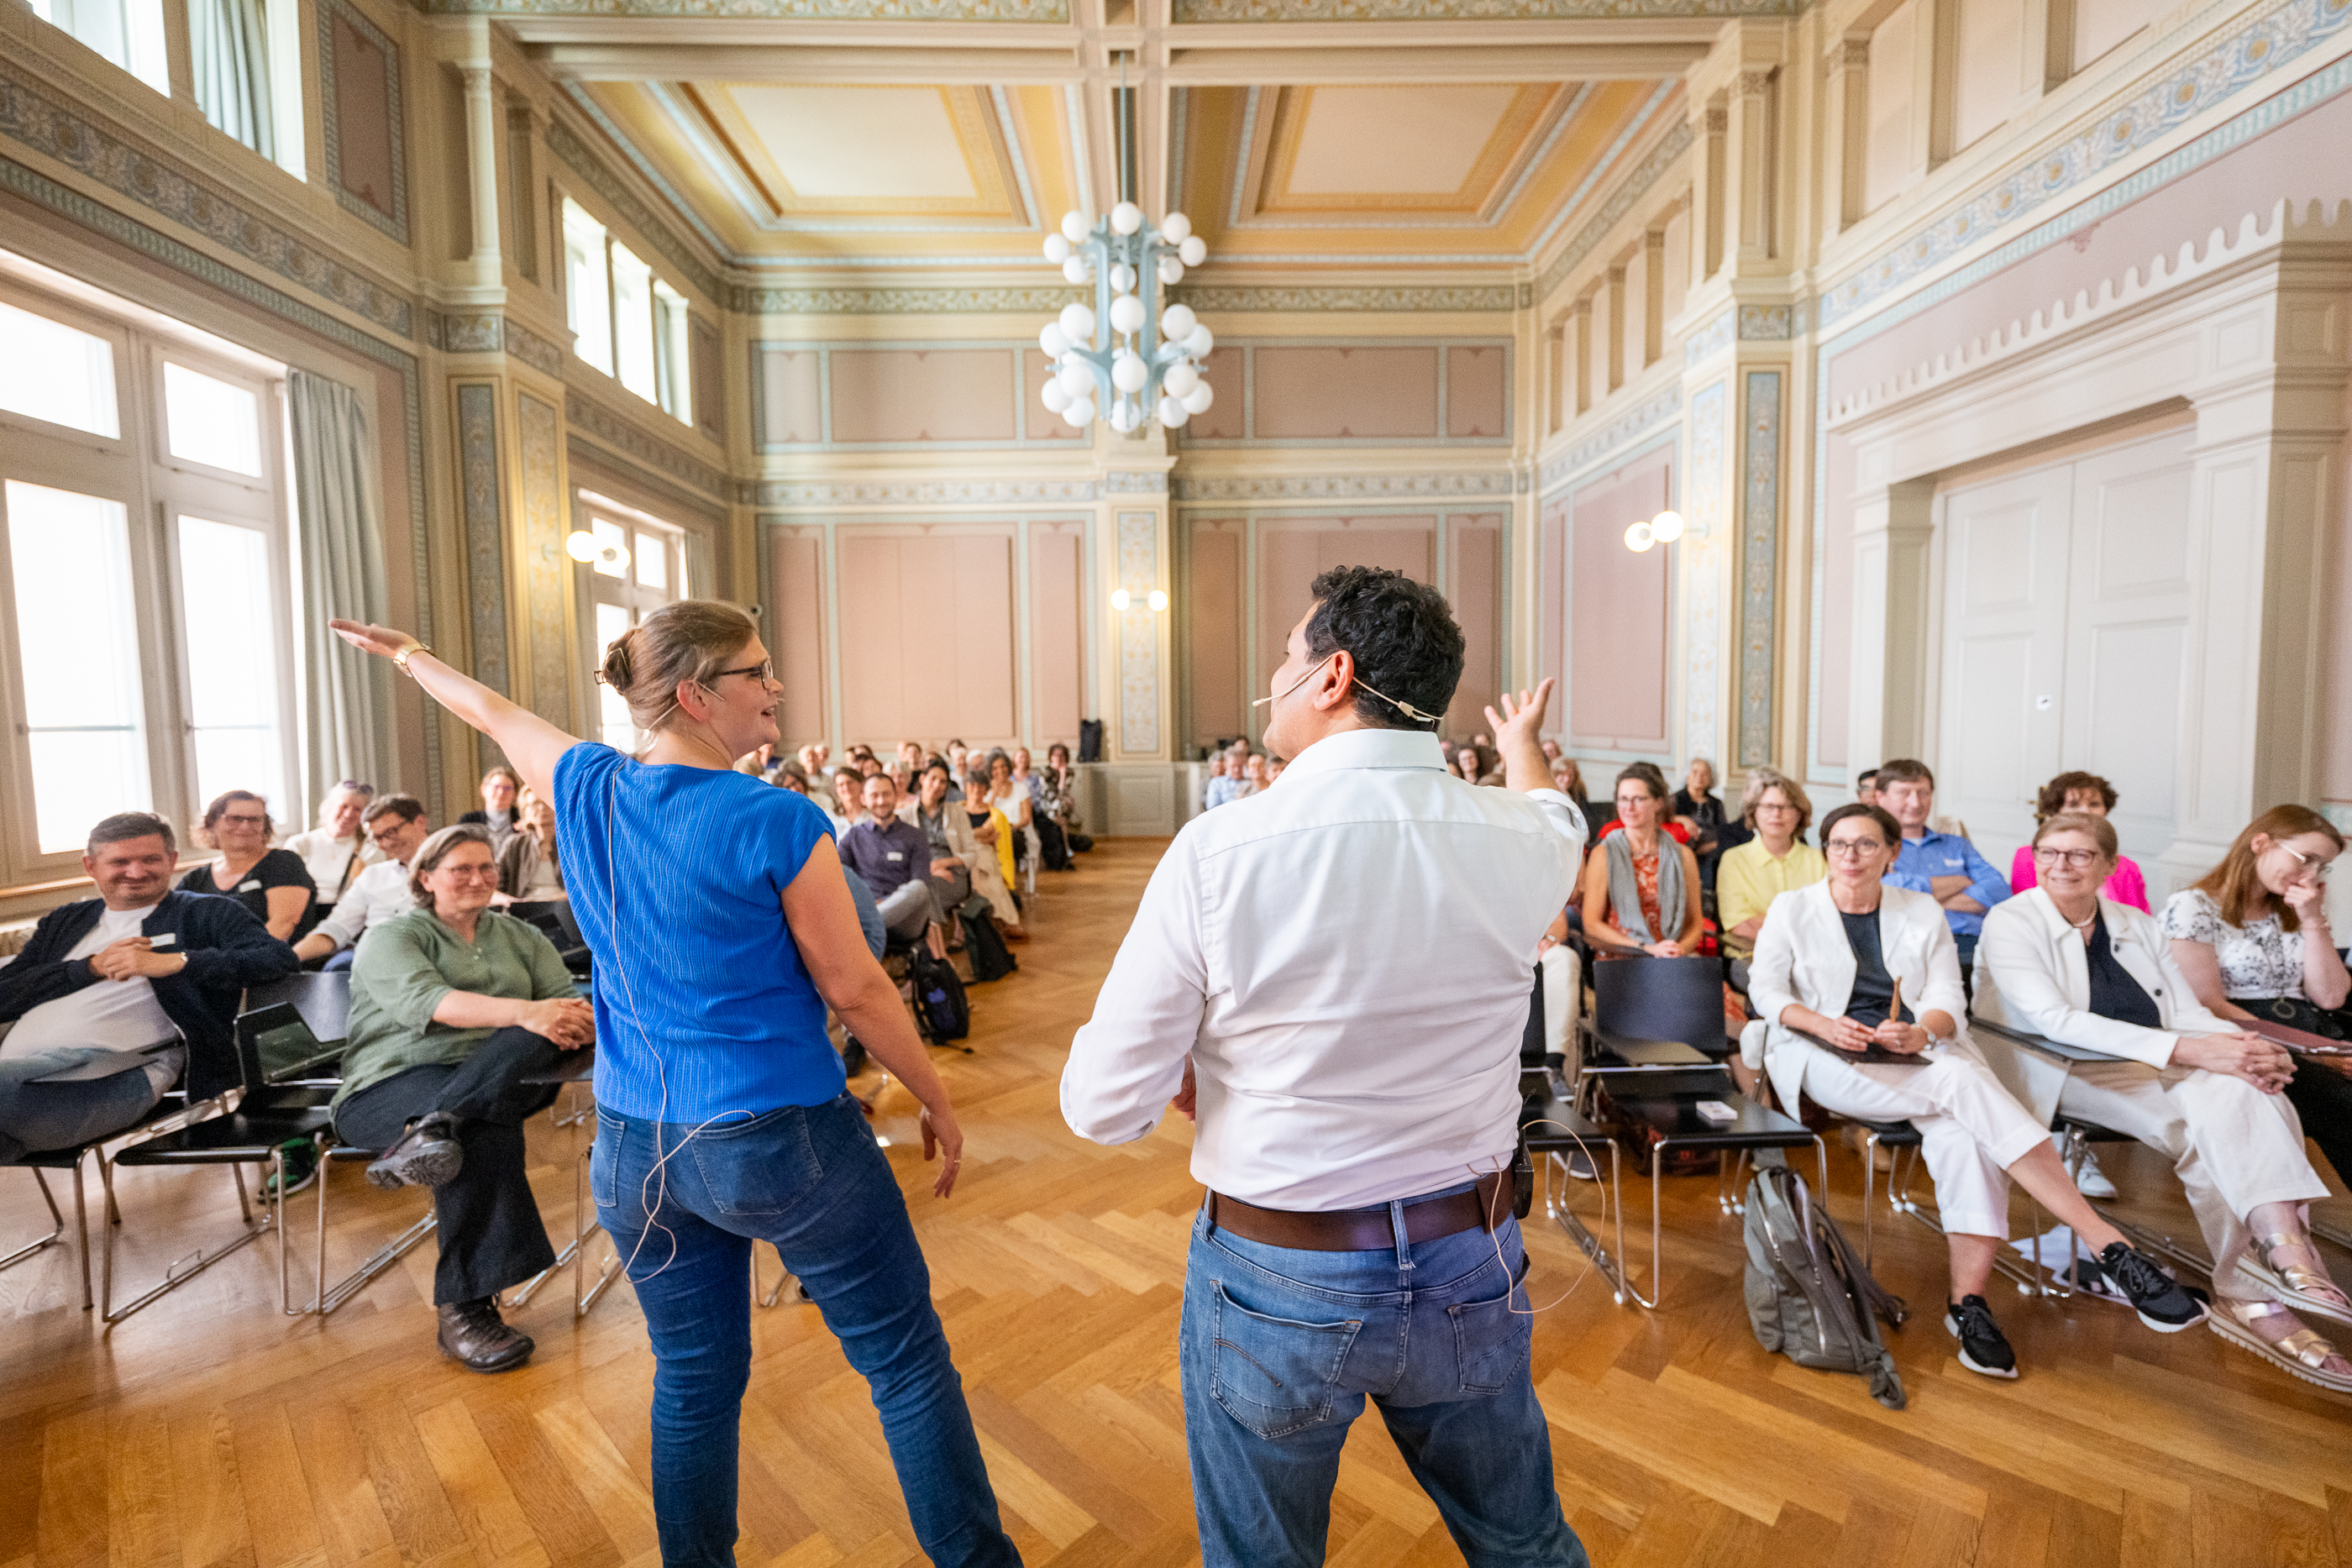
{"points": [[1214, 630], [904, 592], [796, 635], [1477, 399], [792, 397], [1617, 629], [1043, 423], [1223, 421], [1056, 652], [1308, 393], [1990, 78], [922, 394], [1887, 163], [1293, 551], [366, 116], [1551, 654], [1474, 576]]}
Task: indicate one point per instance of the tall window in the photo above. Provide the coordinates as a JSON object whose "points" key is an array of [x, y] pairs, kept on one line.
{"points": [[640, 566], [628, 322], [128, 32], [144, 642]]}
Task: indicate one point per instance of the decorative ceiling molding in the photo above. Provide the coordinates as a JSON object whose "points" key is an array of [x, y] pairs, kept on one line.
{"points": [[770, 10], [899, 301], [492, 332], [583, 161], [591, 418], [1345, 487], [927, 493], [1631, 190], [1605, 443], [1492, 297], [2254, 46], [1469, 10]]}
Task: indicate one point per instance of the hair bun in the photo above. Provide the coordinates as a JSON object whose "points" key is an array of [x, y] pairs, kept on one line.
{"points": [[616, 662]]}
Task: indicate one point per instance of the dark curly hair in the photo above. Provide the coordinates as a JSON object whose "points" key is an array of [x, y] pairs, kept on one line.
{"points": [[2052, 801], [1402, 635]]}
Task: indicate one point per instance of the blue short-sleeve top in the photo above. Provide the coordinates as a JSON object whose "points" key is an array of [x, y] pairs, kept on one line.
{"points": [[676, 877]]}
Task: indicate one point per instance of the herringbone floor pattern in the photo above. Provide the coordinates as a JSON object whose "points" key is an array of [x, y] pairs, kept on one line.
{"points": [[207, 1432]]}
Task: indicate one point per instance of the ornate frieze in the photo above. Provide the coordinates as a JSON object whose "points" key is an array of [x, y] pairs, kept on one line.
{"points": [[1343, 486], [925, 493], [486, 575], [1467, 10], [770, 10], [897, 301], [1760, 564], [1630, 191], [1633, 423], [1498, 296], [587, 416]]}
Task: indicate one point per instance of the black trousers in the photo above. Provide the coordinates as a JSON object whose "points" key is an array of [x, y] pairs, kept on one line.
{"points": [[1053, 847], [491, 1233]]}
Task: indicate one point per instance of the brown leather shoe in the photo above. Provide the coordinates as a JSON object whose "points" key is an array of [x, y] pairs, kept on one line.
{"points": [[473, 1333]]}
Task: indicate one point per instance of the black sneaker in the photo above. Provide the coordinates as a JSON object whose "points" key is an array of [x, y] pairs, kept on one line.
{"points": [[2161, 1302], [1983, 1347], [427, 1155]]}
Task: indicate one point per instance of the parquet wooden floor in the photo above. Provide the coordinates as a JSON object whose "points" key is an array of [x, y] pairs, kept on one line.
{"points": [[207, 1432]]}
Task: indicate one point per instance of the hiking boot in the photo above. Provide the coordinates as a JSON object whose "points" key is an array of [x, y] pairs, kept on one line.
{"points": [[2159, 1298], [427, 1155], [474, 1334], [1983, 1347]]}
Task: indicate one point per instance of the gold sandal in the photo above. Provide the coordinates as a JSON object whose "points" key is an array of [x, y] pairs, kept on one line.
{"points": [[2301, 1353], [2304, 1286]]}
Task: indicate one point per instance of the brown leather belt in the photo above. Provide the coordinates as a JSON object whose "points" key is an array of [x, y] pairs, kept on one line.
{"points": [[1365, 1229]]}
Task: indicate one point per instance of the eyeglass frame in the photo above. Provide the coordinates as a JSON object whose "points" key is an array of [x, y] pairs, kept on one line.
{"points": [[2327, 868], [2050, 855], [1851, 849], [765, 669]]}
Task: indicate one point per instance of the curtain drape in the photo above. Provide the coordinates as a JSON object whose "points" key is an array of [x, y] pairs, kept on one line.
{"points": [[228, 45], [339, 509]]}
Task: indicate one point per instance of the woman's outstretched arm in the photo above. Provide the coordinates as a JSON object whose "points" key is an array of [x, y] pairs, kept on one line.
{"points": [[530, 743]]}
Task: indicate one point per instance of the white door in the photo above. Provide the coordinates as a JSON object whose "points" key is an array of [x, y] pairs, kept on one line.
{"points": [[2128, 631], [2005, 550]]}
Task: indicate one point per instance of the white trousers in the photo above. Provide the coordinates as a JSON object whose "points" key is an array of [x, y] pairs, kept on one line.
{"points": [[1971, 1130], [2234, 1147], [1563, 982]]}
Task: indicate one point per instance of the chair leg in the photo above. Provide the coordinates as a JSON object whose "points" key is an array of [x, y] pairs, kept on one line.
{"points": [[57, 1225], [1612, 1268]]}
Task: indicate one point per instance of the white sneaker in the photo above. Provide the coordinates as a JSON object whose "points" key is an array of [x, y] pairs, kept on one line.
{"points": [[2089, 1179]]}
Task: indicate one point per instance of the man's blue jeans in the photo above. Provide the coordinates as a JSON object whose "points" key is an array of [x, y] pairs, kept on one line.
{"points": [[810, 1180], [1279, 1349]]}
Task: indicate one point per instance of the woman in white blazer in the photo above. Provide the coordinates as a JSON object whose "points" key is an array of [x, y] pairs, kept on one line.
{"points": [[1851, 963], [2063, 962]]}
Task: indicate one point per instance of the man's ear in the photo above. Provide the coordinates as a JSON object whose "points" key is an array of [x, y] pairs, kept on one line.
{"points": [[1332, 688]]}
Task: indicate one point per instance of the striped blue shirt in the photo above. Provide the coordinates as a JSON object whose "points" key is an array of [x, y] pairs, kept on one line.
{"points": [[703, 1006]]}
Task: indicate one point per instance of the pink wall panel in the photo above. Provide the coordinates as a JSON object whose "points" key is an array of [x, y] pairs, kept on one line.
{"points": [[1317, 393], [796, 637], [1222, 370], [1618, 624], [366, 120], [1478, 391], [922, 394], [1475, 576], [1056, 657], [1836, 629], [1551, 651], [905, 594], [1220, 705], [791, 400], [1045, 425]]}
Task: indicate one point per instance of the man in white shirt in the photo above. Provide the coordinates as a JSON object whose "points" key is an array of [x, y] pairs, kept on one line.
{"points": [[337, 849], [397, 826], [1302, 975]]}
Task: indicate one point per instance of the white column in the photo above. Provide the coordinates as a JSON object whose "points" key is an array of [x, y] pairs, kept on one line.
{"points": [[482, 170], [1892, 528]]}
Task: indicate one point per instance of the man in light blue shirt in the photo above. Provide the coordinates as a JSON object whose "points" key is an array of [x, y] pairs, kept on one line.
{"points": [[1226, 786], [1944, 865]]}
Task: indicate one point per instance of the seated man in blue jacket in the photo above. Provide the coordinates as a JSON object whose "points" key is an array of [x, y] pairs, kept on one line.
{"points": [[1944, 865], [124, 973]]}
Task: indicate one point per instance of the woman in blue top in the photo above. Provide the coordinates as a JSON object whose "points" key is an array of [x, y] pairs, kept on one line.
{"points": [[722, 1110]]}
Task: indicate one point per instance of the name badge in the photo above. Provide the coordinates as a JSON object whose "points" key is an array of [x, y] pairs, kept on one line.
{"points": [[254, 885], [163, 939], [897, 854]]}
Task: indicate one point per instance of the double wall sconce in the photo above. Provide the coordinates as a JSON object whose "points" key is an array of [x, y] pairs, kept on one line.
{"points": [[1120, 599], [588, 550], [1663, 529]]}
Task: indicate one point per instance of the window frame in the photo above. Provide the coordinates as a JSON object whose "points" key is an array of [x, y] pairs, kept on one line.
{"points": [[669, 317]]}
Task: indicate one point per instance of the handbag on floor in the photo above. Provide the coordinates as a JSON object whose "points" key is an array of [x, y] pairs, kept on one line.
{"points": [[940, 997], [984, 945], [1809, 1295]]}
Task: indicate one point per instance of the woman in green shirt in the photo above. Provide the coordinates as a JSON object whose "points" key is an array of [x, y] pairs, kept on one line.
{"points": [[454, 1006]]}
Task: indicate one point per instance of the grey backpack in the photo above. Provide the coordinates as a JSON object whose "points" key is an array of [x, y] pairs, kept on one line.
{"points": [[1809, 1295]]}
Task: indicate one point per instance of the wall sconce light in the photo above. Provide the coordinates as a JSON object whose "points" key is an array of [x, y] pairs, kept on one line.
{"points": [[1120, 598], [1639, 537], [582, 545], [1663, 529], [1159, 601]]}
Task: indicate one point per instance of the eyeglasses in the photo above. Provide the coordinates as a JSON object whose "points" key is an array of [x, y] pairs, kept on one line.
{"points": [[765, 670], [469, 873], [1853, 849], [1764, 806], [242, 820], [2078, 859], [2327, 868]]}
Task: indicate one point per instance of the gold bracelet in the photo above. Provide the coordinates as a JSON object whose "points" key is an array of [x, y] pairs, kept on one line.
{"points": [[401, 658]]}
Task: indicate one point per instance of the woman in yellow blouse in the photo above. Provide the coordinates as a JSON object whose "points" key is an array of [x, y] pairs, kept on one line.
{"points": [[1776, 860]]}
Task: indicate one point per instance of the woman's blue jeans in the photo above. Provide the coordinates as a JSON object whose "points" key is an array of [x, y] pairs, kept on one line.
{"points": [[1279, 1348], [684, 1206]]}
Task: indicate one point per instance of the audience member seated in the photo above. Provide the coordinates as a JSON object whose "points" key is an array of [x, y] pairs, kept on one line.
{"points": [[993, 874], [1641, 886], [453, 1006], [136, 967], [1865, 787], [2252, 937], [1055, 796], [397, 823], [2066, 961], [1472, 762], [1698, 807], [869, 765], [1012, 800], [812, 760], [948, 834], [1213, 792], [273, 884], [2081, 795], [1861, 965], [1274, 766], [500, 785], [895, 859], [530, 869], [1777, 812], [336, 850], [849, 802], [1225, 785], [1945, 866]]}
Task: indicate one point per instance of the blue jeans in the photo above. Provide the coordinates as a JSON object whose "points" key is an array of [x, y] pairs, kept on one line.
{"points": [[36, 1118], [809, 1179], [1279, 1349]]}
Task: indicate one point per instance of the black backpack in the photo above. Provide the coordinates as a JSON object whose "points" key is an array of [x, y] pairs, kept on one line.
{"points": [[939, 998], [984, 945]]}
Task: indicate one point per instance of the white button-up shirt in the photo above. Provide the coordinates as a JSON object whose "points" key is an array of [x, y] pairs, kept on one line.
{"points": [[376, 895], [1347, 957]]}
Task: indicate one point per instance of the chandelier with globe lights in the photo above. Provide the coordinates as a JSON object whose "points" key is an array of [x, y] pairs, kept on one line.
{"points": [[1126, 359]]}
